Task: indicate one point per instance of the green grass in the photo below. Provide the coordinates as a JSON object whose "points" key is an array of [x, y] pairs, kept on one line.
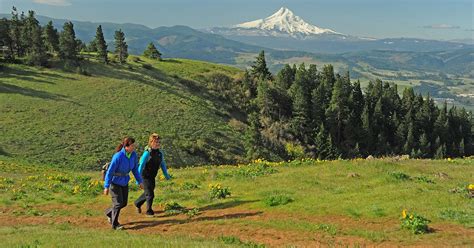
{"points": [[67, 235], [324, 200], [51, 116]]}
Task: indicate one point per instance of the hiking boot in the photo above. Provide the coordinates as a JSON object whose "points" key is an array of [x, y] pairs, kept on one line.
{"points": [[118, 227], [139, 209], [150, 213]]}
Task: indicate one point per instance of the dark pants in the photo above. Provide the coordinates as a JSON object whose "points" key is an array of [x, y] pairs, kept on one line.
{"points": [[119, 200], [148, 195]]}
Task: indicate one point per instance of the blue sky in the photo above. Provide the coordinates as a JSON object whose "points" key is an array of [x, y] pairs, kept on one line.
{"points": [[429, 19]]}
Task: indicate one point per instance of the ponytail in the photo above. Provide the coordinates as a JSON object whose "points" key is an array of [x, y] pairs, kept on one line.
{"points": [[127, 141]]}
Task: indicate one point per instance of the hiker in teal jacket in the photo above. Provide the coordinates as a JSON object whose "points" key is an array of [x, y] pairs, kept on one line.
{"points": [[117, 177], [150, 162]]}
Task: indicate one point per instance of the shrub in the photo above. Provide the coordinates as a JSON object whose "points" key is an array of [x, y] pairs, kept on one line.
{"points": [[278, 199], [189, 186], [424, 179], [216, 191], [400, 176], [174, 208], [414, 222]]}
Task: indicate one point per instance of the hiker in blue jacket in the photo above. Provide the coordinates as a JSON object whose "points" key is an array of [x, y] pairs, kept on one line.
{"points": [[117, 177], [150, 162]]}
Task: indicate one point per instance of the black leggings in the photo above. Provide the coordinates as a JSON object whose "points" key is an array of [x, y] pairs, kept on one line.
{"points": [[119, 200], [148, 195]]}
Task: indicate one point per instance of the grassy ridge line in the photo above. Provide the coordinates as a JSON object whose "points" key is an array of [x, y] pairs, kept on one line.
{"points": [[65, 119]]}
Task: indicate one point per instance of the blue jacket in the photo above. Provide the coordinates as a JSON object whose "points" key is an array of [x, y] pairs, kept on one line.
{"points": [[146, 157], [122, 165]]}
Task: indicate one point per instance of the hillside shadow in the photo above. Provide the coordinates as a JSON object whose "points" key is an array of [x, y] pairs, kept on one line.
{"points": [[137, 225], [224, 205], [13, 89], [34, 76], [4, 153]]}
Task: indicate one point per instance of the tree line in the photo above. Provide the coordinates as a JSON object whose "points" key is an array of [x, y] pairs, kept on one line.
{"points": [[23, 39], [310, 112]]}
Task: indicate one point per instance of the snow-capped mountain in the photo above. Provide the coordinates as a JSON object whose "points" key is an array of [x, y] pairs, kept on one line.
{"points": [[284, 21], [284, 30]]}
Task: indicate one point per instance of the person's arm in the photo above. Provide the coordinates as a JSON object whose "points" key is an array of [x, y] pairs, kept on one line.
{"points": [[163, 166], [136, 172], [110, 171], [143, 160]]}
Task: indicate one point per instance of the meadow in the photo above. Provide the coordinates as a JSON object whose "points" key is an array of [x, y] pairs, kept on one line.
{"points": [[300, 203]]}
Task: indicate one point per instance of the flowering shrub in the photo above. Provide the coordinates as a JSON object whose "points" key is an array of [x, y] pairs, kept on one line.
{"points": [[416, 223], [216, 191]]}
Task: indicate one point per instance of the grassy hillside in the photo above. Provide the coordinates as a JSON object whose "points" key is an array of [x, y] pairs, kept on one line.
{"points": [[52, 116], [300, 203]]}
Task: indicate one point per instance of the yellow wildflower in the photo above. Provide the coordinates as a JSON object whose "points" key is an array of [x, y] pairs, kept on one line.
{"points": [[411, 216], [76, 189], [404, 214], [471, 187]]}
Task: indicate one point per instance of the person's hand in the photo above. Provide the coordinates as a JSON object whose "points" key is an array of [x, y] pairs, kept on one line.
{"points": [[141, 185], [106, 191]]}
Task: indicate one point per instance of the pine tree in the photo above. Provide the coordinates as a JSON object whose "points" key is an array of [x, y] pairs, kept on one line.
{"points": [[301, 99], [36, 54], [51, 38], [425, 146], [16, 28], [461, 148], [368, 138], [5, 39], [121, 47], [313, 77], [151, 52], [338, 109], [68, 49], [328, 79], [259, 68], [321, 148], [317, 106], [333, 152], [285, 77], [441, 152], [100, 45], [410, 140], [253, 138], [353, 130], [249, 85]]}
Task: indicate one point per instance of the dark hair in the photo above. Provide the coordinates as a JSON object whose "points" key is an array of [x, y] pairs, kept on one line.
{"points": [[127, 141]]}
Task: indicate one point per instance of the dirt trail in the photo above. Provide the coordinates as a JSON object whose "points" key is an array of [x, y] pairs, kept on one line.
{"points": [[207, 225]]}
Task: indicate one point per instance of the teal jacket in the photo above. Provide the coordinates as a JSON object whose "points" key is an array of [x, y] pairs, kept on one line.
{"points": [[146, 157]]}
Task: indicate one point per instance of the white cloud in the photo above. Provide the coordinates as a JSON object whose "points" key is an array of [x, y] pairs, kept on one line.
{"points": [[53, 2], [441, 26]]}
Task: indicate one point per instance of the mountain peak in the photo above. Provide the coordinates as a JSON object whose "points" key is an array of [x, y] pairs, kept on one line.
{"points": [[285, 21]]}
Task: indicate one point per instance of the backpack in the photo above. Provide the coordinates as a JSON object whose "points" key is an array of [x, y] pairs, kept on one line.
{"points": [[105, 167]]}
